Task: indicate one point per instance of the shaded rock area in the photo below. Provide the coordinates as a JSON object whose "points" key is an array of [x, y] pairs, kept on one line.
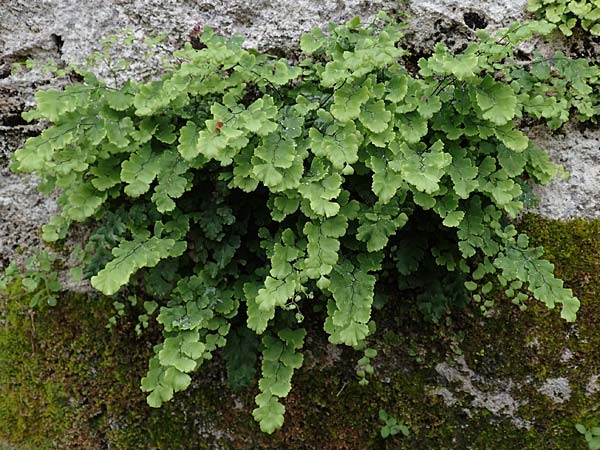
{"points": [[466, 383]]}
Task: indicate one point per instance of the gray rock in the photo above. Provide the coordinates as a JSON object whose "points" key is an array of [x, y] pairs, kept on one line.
{"points": [[556, 389], [496, 395], [577, 149], [455, 21], [566, 355], [593, 385]]}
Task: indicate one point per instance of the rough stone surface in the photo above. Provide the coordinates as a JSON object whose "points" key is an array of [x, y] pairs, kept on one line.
{"points": [[556, 389], [455, 21], [578, 151], [567, 355], [494, 395], [593, 385], [22, 210]]}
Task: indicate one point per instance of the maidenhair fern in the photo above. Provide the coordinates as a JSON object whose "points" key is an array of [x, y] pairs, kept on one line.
{"points": [[238, 189], [568, 14]]}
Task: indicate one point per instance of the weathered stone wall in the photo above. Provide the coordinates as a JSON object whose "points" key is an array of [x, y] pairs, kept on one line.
{"points": [[527, 380]]}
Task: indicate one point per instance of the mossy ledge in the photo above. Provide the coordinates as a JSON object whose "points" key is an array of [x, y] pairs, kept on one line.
{"points": [[66, 382]]}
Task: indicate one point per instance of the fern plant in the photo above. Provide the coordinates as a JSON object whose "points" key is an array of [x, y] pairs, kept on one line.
{"points": [[568, 14], [239, 189], [557, 88], [391, 426], [592, 436]]}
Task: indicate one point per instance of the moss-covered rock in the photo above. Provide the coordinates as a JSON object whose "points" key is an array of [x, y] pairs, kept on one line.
{"points": [[67, 382]]}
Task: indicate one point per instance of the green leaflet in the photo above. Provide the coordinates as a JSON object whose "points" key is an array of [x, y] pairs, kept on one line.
{"points": [[140, 170], [163, 383], [80, 201], [497, 101], [569, 14], [258, 319], [120, 100], [130, 256], [38, 151], [320, 192], [462, 67], [195, 325], [423, 169], [172, 182], [280, 359], [275, 293], [269, 413], [117, 131], [375, 116], [55, 229], [280, 72], [412, 127], [106, 174], [347, 102], [513, 139], [323, 246], [313, 41], [513, 163], [350, 310], [377, 224], [524, 264], [53, 105], [276, 162], [386, 181], [463, 173], [339, 145], [188, 141]]}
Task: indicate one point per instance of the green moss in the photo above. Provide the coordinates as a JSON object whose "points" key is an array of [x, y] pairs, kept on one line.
{"points": [[67, 382]]}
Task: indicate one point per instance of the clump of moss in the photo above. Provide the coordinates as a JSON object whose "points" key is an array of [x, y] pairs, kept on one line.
{"points": [[67, 382]]}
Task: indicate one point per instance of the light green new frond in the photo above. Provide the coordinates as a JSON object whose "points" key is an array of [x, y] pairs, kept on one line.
{"points": [[130, 256], [350, 310], [524, 264], [280, 359], [497, 101], [422, 169], [139, 171]]}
